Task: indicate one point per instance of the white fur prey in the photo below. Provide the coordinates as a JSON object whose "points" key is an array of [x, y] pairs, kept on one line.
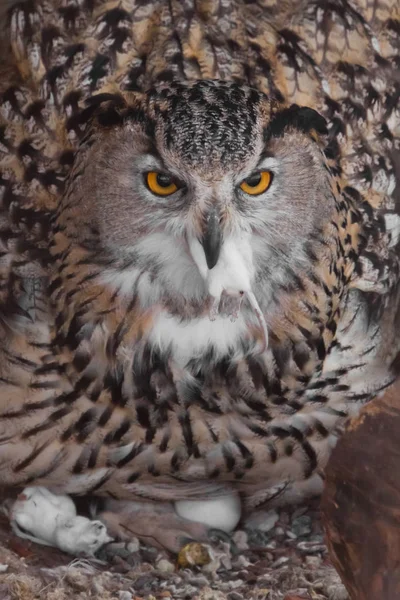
{"points": [[233, 274], [51, 520], [234, 270]]}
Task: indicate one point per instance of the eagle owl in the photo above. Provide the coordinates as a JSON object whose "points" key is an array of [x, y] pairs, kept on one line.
{"points": [[199, 259]]}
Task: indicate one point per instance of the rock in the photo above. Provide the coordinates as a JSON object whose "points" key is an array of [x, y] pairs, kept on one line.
{"points": [[165, 566], [133, 545], [235, 596], [301, 526], [262, 521], [281, 561], [241, 562], [313, 561], [122, 595], [240, 539], [337, 592]]}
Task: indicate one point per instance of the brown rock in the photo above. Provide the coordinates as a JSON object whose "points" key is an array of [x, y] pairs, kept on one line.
{"points": [[361, 502]]}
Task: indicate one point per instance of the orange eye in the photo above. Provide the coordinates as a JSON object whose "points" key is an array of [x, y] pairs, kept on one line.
{"points": [[160, 183], [256, 183]]}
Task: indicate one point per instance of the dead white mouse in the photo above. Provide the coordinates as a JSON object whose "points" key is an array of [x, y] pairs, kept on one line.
{"points": [[51, 520], [231, 276]]}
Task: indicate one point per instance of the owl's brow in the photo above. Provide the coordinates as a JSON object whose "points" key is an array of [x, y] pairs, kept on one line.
{"points": [[152, 156], [266, 154]]}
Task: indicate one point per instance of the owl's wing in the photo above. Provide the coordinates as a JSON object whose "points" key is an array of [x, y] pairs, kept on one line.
{"points": [[343, 59]]}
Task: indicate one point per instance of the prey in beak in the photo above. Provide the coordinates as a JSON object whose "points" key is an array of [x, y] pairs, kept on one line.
{"points": [[226, 265]]}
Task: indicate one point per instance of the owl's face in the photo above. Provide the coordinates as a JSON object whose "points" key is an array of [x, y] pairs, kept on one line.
{"points": [[189, 177]]}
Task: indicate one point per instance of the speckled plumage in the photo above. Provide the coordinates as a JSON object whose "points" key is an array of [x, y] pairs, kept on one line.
{"points": [[99, 392]]}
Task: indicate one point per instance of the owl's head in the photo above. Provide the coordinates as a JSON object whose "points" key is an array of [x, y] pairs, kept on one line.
{"points": [[193, 179]]}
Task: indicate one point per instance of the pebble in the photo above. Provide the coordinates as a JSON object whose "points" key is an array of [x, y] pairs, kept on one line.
{"points": [[301, 525], [165, 566], [124, 595], [235, 596], [281, 561], [337, 592], [133, 545], [3, 568], [240, 539], [311, 547], [262, 520], [313, 561], [299, 512], [241, 562], [269, 521]]}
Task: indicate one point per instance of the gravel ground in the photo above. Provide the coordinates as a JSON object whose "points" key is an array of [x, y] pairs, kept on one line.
{"points": [[283, 556]]}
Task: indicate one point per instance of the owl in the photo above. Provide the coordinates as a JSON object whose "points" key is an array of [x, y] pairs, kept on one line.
{"points": [[199, 250]]}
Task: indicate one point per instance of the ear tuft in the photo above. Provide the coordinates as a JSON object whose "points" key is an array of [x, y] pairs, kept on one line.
{"points": [[302, 118]]}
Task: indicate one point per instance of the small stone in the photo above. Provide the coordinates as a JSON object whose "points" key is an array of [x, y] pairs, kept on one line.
{"points": [[133, 545], [301, 526], [123, 595], [284, 518], [313, 561], [299, 512], [311, 547], [77, 580], [280, 562], [279, 531], [235, 596], [209, 594], [165, 566], [3, 568], [268, 522], [241, 562], [337, 592], [240, 539], [97, 588], [317, 539]]}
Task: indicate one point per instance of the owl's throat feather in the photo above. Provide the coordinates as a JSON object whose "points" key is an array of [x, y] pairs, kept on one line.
{"points": [[229, 304]]}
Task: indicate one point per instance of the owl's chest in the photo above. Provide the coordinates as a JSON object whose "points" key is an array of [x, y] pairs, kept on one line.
{"points": [[192, 339]]}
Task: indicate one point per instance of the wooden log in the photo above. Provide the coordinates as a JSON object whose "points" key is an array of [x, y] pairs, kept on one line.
{"points": [[361, 502]]}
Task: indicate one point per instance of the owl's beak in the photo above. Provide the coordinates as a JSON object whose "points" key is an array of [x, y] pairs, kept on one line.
{"points": [[212, 237]]}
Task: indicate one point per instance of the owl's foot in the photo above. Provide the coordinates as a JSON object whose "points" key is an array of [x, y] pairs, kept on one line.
{"points": [[158, 524], [153, 524]]}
